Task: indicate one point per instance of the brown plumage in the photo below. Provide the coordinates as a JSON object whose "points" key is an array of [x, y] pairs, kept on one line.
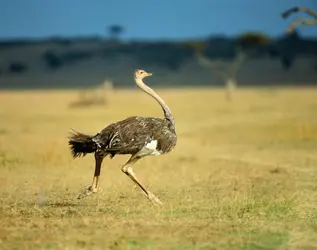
{"points": [[300, 21], [137, 136]]}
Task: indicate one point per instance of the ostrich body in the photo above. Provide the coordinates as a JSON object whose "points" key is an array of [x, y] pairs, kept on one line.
{"points": [[137, 136], [300, 21]]}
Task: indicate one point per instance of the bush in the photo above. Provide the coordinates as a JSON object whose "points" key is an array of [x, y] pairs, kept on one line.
{"points": [[17, 67]]}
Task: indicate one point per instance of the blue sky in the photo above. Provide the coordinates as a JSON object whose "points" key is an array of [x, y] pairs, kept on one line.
{"points": [[146, 19]]}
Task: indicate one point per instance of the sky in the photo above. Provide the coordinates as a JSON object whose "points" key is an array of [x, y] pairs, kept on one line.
{"points": [[146, 19]]}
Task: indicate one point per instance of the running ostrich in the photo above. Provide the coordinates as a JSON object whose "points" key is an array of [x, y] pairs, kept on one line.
{"points": [[137, 136], [300, 21]]}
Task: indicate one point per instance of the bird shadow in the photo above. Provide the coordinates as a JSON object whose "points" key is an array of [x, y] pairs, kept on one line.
{"points": [[61, 204], [56, 204]]}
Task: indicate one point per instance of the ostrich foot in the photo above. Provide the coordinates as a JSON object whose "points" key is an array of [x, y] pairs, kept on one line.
{"points": [[87, 191], [153, 198]]}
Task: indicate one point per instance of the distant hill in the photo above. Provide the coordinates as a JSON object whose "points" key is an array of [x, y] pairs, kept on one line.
{"points": [[88, 61]]}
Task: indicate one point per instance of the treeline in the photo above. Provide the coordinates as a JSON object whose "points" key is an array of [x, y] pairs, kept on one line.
{"points": [[62, 52], [66, 58]]}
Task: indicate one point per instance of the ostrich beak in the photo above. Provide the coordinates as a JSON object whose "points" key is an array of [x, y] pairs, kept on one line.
{"points": [[148, 74]]}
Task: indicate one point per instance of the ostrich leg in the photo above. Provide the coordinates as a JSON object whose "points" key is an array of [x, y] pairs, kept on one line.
{"points": [[127, 169], [95, 182]]}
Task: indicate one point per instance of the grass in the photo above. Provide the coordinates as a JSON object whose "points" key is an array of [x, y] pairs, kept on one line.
{"points": [[243, 175]]}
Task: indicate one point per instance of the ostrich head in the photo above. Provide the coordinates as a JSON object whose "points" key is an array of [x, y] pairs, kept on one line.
{"points": [[140, 74]]}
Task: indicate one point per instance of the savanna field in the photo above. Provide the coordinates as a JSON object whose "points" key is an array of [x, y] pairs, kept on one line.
{"points": [[243, 175]]}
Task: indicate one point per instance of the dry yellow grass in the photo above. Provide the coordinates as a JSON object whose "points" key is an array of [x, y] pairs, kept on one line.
{"points": [[243, 175]]}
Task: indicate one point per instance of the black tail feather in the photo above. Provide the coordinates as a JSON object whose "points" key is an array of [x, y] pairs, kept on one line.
{"points": [[81, 144]]}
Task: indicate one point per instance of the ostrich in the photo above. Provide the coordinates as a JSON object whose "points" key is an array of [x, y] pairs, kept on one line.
{"points": [[300, 21], [137, 136]]}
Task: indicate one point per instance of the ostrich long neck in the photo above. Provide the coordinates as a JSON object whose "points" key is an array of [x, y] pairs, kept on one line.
{"points": [[167, 112]]}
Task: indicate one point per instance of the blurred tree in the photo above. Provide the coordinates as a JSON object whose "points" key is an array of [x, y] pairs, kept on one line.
{"points": [[226, 70], [245, 45], [287, 47], [299, 21], [52, 60], [287, 62], [115, 31], [250, 41]]}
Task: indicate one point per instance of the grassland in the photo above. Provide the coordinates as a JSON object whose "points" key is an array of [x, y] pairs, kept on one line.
{"points": [[243, 175]]}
